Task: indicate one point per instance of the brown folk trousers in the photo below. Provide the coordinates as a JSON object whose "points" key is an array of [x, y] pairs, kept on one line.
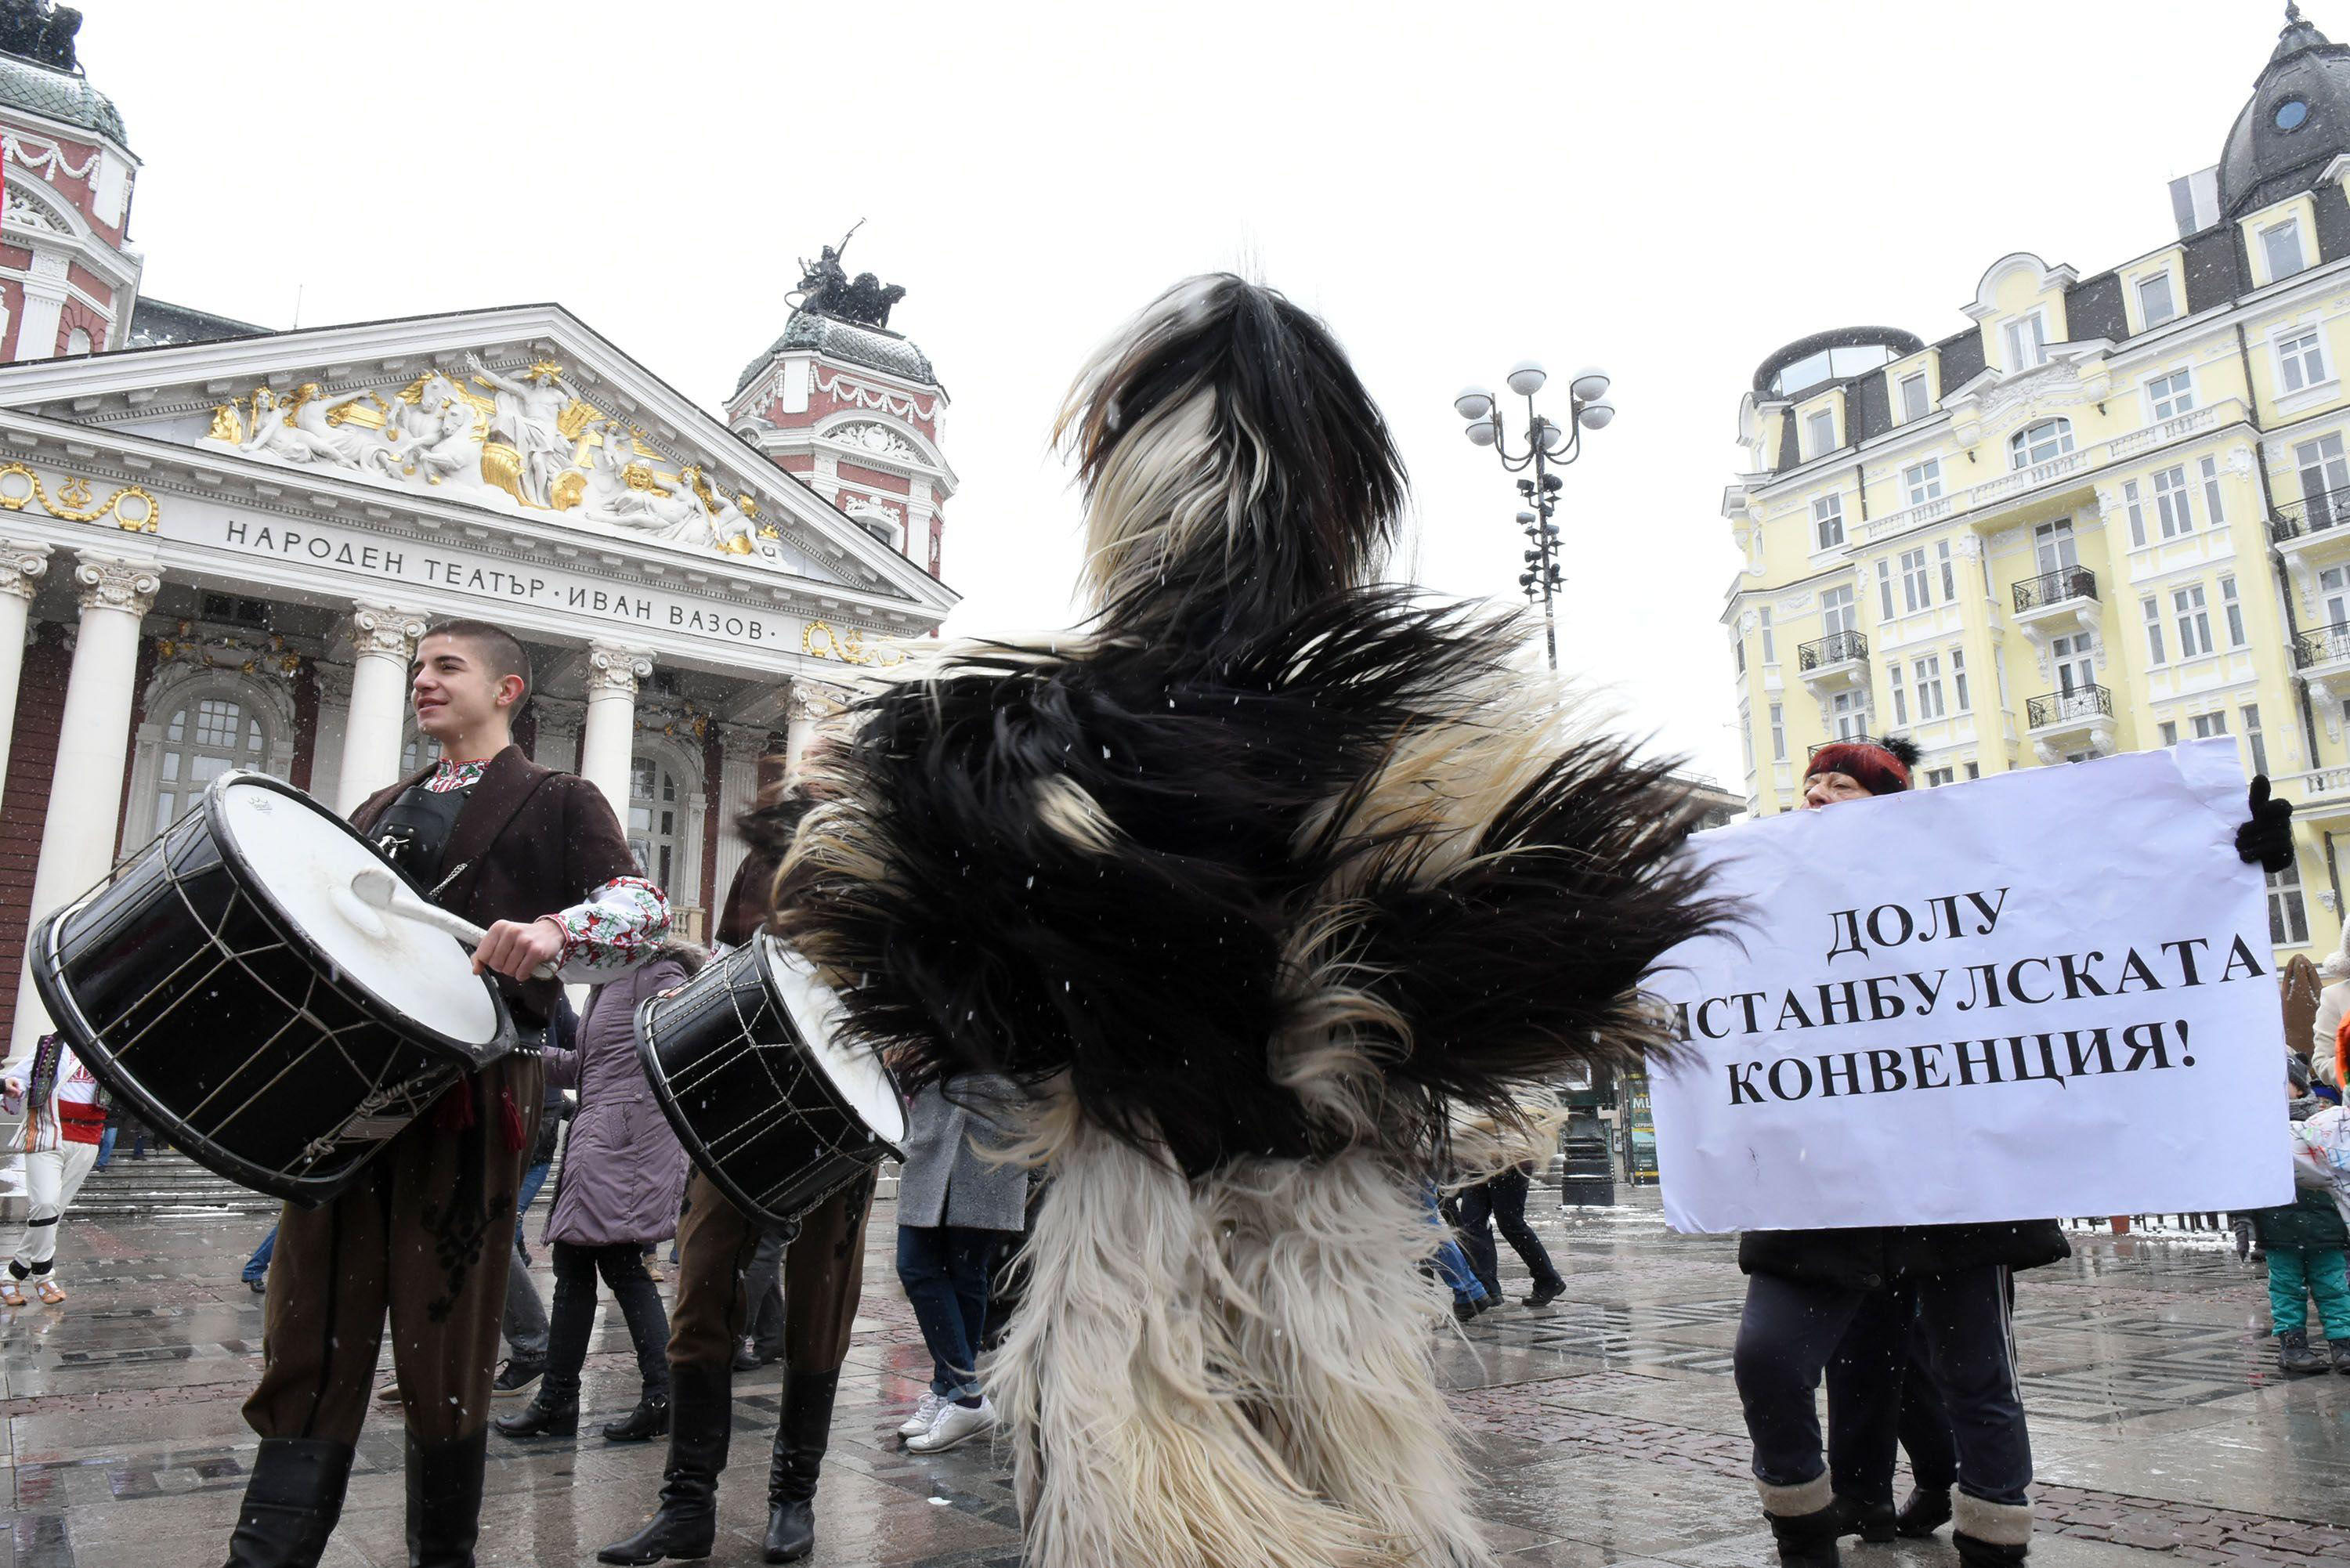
{"points": [[824, 1276], [424, 1233]]}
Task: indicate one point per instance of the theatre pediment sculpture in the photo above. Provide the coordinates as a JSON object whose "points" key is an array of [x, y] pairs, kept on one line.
{"points": [[521, 441]]}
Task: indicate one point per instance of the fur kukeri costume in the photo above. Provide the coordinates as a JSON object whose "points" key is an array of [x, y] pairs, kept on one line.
{"points": [[1256, 883]]}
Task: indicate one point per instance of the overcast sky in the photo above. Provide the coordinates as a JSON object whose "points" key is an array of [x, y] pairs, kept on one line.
{"points": [[1669, 191]]}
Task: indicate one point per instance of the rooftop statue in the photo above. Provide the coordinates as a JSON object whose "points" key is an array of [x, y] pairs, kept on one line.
{"points": [[826, 289], [39, 31]]}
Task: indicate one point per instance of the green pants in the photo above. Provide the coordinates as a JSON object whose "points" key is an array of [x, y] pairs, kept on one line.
{"points": [[2296, 1275]]}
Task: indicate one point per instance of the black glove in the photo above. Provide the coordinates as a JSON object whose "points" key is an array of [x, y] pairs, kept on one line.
{"points": [[2266, 837]]}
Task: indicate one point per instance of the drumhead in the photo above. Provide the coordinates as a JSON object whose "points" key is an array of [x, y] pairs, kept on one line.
{"points": [[299, 860], [857, 1075]]}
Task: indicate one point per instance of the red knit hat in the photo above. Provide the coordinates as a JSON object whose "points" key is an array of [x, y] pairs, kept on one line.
{"points": [[1880, 767]]}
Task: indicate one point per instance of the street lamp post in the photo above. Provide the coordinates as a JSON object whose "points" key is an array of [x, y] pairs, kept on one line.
{"points": [[1548, 446]]}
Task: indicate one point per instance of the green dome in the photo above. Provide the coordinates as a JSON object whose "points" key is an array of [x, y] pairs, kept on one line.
{"points": [[64, 95]]}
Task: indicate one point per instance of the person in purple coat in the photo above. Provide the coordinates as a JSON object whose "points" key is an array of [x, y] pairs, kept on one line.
{"points": [[623, 1173]]}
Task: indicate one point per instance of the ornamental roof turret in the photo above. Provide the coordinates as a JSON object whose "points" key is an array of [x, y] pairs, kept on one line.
{"points": [[40, 71], [2298, 120]]}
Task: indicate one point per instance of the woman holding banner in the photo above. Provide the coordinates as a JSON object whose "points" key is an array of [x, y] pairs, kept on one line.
{"points": [[1816, 1295]]}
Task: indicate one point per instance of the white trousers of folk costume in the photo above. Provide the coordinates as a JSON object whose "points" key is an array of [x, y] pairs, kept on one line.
{"points": [[52, 1177]]}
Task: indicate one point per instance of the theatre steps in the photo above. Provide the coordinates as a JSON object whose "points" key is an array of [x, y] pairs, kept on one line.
{"points": [[165, 1183]]}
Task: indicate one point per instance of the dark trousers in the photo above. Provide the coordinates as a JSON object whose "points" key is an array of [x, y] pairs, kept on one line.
{"points": [[256, 1267], [1500, 1201], [569, 1325], [762, 1297], [1880, 1391], [947, 1270], [824, 1276], [1791, 1331], [423, 1235]]}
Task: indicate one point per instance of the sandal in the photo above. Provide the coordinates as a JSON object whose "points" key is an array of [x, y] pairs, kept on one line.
{"points": [[10, 1296], [51, 1294]]}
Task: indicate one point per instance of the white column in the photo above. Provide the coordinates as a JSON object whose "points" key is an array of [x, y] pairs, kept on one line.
{"points": [[741, 746], [93, 748], [608, 739], [810, 704], [21, 569], [327, 747], [383, 641]]}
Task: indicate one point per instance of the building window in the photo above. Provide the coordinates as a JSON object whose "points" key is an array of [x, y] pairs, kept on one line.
{"points": [[1949, 572], [2234, 609], [2206, 725], [1746, 738], [2212, 512], [2169, 733], [1827, 522], [2301, 359], [1900, 697], [1836, 612], [200, 743], [1819, 433], [2333, 593], [1928, 672], [2136, 511], [2171, 395], [2194, 621], [2027, 343], [420, 752], [1937, 777], [1923, 481], [77, 340], [1974, 770], [1770, 645], [1917, 588], [2053, 548], [656, 820], [2039, 442], [2258, 743], [1914, 402], [2154, 304], [2170, 503], [1848, 715], [2281, 244], [2153, 630], [1737, 651], [1959, 680], [1778, 733], [1885, 590], [2288, 921]]}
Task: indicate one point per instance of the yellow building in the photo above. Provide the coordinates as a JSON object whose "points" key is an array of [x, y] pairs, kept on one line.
{"points": [[2112, 513]]}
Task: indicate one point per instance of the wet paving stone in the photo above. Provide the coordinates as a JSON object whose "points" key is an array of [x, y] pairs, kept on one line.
{"points": [[1604, 1428]]}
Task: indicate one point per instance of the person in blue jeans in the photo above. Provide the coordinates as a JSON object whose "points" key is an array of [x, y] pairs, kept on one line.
{"points": [[256, 1267], [1469, 1296], [958, 1211]]}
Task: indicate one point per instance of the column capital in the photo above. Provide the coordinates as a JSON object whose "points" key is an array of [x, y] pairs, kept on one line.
{"points": [[612, 668], [385, 630], [109, 582], [22, 566], [812, 699], [745, 743]]}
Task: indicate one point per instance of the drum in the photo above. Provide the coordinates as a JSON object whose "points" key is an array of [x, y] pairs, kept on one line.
{"points": [[744, 1062], [226, 982]]}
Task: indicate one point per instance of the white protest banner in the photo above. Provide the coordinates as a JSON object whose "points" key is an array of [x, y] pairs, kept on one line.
{"points": [[2045, 992]]}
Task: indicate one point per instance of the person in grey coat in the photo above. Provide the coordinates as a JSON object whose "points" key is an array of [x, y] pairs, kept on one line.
{"points": [[623, 1174], [958, 1209]]}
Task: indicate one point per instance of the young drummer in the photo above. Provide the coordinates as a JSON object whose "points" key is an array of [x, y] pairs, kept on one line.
{"points": [[538, 858], [824, 1278]]}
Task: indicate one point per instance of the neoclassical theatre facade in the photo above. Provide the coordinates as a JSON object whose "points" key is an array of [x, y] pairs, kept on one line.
{"points": [[219, 544]]}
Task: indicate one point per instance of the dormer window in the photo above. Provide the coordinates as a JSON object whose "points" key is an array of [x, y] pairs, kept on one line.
{"points": [[2289, 116], [1915, 405], [2027, 343], [1819, 433], [2280, 247], [2039, 442], [2155, 301]]}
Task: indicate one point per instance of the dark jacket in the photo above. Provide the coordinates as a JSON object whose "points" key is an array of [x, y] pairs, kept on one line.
{"points": [[530, 842], [2313, 1221], [1868, 1257], [623, 1170]]}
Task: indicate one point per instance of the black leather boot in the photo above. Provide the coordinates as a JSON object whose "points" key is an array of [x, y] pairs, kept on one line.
{"points": [[1927, 1511], [1974, 1554], [648, 1421], [292, 1499], [553, 1411], [445, 1500], [1872, 1521], [1808, 1540], [701, 1416], [2295, 1357], [800, 1443]]}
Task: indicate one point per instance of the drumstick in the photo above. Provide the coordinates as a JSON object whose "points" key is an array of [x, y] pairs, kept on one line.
{"points": [[379, 889]]}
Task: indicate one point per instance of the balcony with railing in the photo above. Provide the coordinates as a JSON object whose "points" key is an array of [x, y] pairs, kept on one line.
{"points": [[1835, 661], [2320, 796], [2081, 708], [1819, 746], [2051, 589], [2317, 518], [2325, 645]]}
